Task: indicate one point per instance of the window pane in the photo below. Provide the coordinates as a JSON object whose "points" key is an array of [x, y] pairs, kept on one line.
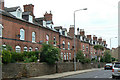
{"points": [[25, 48], [33, 36], [22, 34], [17, 48]]}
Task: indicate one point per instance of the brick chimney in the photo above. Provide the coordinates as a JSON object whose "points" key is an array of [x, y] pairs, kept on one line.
{"points": [[29, 8], [71, 31], [94, 38], [89, 37], [2, 4], [48, 16], [100, 39], [82, 32]]}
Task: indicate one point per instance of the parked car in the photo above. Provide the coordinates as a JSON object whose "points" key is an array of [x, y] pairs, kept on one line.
{"points": [[108, 66], [116, 70]]}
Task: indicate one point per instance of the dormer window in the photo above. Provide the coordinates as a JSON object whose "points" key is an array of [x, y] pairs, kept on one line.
{"points": [[30, 18]]}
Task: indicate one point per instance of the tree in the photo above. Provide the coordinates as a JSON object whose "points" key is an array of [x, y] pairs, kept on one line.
{"points": [[98, 47], [81, 58], [49, 54], [107, 56]]}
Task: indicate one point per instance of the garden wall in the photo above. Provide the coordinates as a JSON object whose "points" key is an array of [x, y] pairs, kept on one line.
{"points": [[18, 70]]}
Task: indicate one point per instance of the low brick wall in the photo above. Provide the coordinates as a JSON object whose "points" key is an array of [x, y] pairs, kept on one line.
{"points": [[17, 70]]}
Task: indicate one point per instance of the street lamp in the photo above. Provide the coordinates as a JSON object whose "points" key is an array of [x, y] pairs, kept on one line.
{"points": [[74, 38], [110, 41]]}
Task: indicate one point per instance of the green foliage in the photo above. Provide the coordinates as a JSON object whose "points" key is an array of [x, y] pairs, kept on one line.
{"points": [[98, 65], [98, 47], [16, 57], [113, 59], [49, 54], [107, 56], [6, 56], [7, 47], [81, 57], [102, 59], [87, 60]]}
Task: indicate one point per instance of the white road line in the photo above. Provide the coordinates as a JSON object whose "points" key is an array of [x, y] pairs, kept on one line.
{"points": [[95, 76], [110, 77]]}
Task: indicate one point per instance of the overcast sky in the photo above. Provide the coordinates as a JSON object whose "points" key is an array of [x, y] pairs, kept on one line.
{"points": [[101, 18]]}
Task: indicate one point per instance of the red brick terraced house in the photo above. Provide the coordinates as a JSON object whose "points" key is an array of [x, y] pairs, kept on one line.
{"points": [[24, 32]]}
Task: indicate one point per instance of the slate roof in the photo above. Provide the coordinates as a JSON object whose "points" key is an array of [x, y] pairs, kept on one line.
{"points": [[26, 13], [6, 13], [11, 9]]}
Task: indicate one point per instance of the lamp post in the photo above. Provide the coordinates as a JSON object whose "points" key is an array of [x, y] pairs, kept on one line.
{"points": [[74, 38], [110, 41]]}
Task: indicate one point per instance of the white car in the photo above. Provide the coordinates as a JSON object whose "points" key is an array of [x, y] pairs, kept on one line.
{"points": [[116, 70]]}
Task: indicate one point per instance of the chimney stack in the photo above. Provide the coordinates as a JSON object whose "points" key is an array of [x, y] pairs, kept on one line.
{"points": [[29, 8], [89, 37], [2, 4], [48, 16], [71, 31], [82, 32]]}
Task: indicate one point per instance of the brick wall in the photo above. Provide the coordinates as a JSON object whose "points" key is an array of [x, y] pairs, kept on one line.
{"points": [[17, 70]]}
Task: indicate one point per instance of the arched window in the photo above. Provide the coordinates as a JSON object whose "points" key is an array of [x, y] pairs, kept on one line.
{"points": [[1, 27], [63, 44], [47, 39], [36, 49], [18, 49], [4, 46], [69, 56], [64, 56], [22, 34], [61, 55], [30, 49], [68, 45], [54, 41], [33, 36], [25, 48]]}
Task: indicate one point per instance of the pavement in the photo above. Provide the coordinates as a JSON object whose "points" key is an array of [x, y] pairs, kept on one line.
{"points": [[64, 74]]}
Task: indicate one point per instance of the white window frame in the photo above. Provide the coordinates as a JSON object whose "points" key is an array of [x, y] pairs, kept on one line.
{"points": [[47, 39], [36, 49], [68, 45], [22, 34], [54, 41], [25, 49], [30, 49], [33, 36], [1, 27], [83, 47], [61, 55], [63, 43], [69, 56], [64, 56], [18, 49]]}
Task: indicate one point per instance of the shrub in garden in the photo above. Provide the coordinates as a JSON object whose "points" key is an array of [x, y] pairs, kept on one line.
{"points": [[6, 56], [49, 54], [16, 57]]}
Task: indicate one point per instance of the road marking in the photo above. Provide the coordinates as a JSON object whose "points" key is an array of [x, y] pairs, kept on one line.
{"points": [[110, 77], [95, 76]]}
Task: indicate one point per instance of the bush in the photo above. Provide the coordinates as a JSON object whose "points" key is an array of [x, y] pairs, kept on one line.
{"points": [[6, 56], [16, 57], [87, 60], [49, 54]]}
